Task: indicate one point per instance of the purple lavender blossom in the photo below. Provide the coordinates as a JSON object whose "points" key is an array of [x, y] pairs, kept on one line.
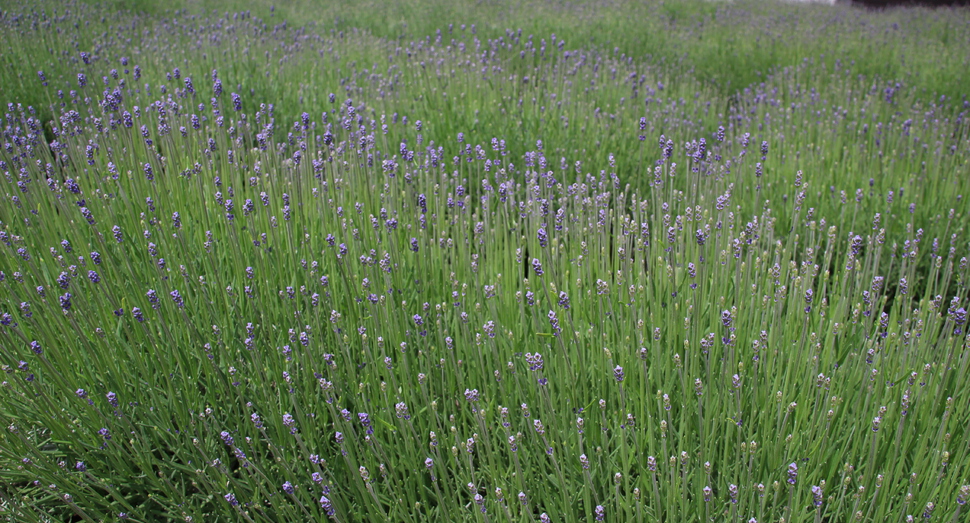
{"points": [[289, 422], [817, 495], [537, 266], [564, 300], [153, 298], [534, 360], [364, 419], [959, 318], [401, 410], [700, 236], [554, 323]]}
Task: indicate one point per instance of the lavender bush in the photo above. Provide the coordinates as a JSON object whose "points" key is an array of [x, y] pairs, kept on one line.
{"points": [[256, 272]]}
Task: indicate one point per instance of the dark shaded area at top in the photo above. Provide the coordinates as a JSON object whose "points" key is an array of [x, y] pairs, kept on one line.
{"points": [[895, 3]]}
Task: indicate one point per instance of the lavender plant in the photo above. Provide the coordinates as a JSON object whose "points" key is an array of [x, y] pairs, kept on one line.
{"points": [[477, 278]]}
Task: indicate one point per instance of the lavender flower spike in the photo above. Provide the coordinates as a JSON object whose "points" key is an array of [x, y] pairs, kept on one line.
{"points": [[792, 473]]}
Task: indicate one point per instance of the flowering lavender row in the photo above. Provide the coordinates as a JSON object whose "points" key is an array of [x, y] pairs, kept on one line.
{"points": [[602, 301]]}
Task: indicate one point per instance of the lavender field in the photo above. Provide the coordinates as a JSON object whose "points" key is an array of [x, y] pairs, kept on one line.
{"points": [[484, 262]]}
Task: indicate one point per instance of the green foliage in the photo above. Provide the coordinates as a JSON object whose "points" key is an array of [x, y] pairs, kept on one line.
{"points": [[289, 297]]}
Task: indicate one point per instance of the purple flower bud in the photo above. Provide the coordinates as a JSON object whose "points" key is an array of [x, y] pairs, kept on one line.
{"points": [[537, 266], [816, 495], [534, 360], [963, 494], [326, 505], [554, 323], [700, 236], [66, 301], [618, 374]]}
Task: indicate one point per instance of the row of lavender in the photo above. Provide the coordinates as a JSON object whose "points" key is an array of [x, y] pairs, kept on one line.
{"points": [[214, 311]]}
